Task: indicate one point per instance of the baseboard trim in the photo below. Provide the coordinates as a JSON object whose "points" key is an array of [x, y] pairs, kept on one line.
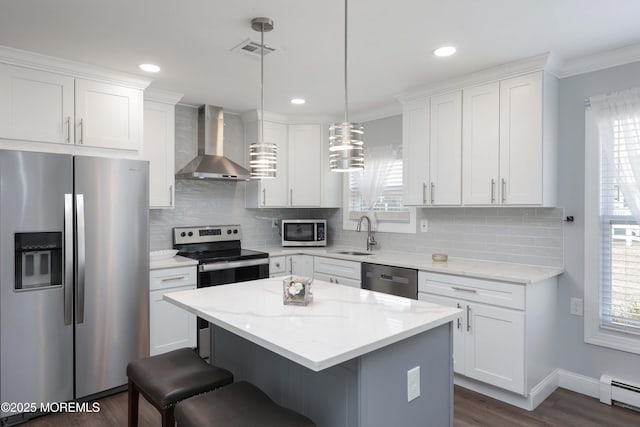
{"points": [[579, 383], [558, 378], [538, 393]]}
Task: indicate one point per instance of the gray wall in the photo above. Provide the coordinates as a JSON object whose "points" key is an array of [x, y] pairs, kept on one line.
{"points": [[575, 355]]}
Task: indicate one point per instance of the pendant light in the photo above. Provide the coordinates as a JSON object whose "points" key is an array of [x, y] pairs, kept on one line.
{"points": [[262, 155], [346, 153]]}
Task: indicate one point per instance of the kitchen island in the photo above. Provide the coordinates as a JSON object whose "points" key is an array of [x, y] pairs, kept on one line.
{"points": [[343, 360]]}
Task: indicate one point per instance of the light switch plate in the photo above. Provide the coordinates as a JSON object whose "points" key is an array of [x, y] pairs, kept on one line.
{"points": [[576, 307], [413, 383], [424, 225]]}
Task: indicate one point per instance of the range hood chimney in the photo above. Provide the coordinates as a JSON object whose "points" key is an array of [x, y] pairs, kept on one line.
{"points": [[210, 162]]}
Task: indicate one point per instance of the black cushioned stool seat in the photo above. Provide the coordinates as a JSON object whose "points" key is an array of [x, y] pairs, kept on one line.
{"points": [[238, 405], [168, 378]]}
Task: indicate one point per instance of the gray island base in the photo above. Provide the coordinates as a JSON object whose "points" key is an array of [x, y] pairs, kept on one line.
{"points": [[367, 391]]}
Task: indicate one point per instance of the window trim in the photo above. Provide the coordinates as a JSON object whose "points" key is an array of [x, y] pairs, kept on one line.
{"points": [[594, 333]]}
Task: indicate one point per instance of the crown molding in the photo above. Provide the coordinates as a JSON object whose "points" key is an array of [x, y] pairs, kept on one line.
{"points": [[503, 71], [23, 58], [600, 61], [160, 95]]}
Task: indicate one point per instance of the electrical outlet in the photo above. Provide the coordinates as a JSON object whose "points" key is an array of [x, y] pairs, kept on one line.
{"points": [[413, 383], [274, 223], [576, 306], [424, 225]]}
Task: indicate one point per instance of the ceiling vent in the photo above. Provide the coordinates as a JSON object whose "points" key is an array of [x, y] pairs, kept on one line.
{"points": [[251, 48]]}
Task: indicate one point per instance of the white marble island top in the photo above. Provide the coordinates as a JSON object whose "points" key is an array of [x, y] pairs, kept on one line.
{"points": [[340, 324]]}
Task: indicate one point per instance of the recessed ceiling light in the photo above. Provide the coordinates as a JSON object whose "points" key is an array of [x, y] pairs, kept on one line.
{"points": [[445, 51], [297, 101], [149, 68]]}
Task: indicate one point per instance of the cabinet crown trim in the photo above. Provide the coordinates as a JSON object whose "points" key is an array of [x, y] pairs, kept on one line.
{"points": [[23, 58], [543, 62], [164, 96]]}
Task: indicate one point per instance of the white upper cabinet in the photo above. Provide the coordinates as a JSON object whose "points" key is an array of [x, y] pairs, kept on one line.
{"points": [[508, 132], [521, 143], [445, 152], [269, 192], [304, 165], [159, 146], [36, 105], [108, 116], [415, 152], [303, 178], [74, 104], [481, 144]]}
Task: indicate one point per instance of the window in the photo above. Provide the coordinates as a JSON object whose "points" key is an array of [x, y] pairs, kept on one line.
{"points": [[382, 182], [612, 233]]}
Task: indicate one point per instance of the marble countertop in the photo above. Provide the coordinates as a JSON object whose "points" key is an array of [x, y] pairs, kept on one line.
{"points": [[173, 262], [507, 272], [340, 324]]}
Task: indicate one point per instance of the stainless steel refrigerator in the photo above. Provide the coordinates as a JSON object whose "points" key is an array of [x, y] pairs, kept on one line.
{"points": [[74, 274]]}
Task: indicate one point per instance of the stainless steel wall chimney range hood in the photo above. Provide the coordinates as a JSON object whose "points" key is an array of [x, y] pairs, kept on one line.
{"points": [[210, 162]]}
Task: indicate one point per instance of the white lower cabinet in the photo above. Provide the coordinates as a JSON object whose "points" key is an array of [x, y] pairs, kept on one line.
{"points": [[505, 336], [338, 271], [170, 327], [284, 265]]}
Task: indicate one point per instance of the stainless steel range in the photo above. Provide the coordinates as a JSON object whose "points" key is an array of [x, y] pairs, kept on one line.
{"points": [[221, 260]]}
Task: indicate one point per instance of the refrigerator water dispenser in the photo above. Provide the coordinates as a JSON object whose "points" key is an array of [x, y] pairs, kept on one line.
{"points": [[38, 260]]}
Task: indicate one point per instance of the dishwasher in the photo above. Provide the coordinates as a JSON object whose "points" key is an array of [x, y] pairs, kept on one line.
{"points": [[398, 281]]}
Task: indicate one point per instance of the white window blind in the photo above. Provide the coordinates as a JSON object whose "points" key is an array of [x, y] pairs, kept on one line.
{"points": [[388, 205], [620, 232]]}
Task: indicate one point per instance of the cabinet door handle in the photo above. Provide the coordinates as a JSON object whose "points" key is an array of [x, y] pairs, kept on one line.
{"points": [[291, 196], [459, 319], [468, 318], [493, 190], [173, 278], [264, 196], [277, 265], [81, 131], [68, 139], [456, 288], [433, 190], [290, 265], [504, 190], [171, 195], [424, 193]]}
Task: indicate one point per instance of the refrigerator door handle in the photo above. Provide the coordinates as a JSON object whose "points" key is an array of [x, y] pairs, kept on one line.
{"points": [[80, 258], [68, 259]]}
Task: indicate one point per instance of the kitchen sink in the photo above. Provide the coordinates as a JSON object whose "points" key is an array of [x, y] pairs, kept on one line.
{"points": [[353, 253]]}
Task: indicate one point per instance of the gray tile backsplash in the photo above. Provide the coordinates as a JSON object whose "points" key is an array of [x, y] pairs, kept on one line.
{"points": [[521, 235]]}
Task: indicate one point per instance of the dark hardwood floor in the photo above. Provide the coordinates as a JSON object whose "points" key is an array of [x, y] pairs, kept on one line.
{"points": [[562, 408]]}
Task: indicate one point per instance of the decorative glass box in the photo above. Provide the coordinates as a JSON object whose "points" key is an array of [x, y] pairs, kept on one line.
{"points": [[296, 290]]}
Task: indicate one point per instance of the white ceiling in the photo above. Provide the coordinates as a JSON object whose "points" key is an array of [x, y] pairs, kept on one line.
{"points": [[390, 42]]}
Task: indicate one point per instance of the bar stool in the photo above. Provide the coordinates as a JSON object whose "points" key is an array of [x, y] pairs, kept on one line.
{"points": [[168, 378], [240, 404]]}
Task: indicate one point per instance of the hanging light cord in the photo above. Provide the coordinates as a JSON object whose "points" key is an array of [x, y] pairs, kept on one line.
{"points": [[262, 83], [346, 93]]}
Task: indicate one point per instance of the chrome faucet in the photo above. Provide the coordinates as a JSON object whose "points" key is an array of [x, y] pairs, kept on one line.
{"points": [[371, 241]]}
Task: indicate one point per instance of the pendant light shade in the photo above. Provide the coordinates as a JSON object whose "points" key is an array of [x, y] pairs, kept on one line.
{"points": [[346, 151], [263, 156]]}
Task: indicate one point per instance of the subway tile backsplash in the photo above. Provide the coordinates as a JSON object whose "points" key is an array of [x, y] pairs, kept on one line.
{"points": [[520, 235]]}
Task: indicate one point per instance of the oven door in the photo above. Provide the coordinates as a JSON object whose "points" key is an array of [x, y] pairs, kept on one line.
{"points": [[222, 273]]}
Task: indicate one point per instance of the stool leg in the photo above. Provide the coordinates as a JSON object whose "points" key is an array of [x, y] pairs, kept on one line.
{"points": [[133, 395], [167, 418]]}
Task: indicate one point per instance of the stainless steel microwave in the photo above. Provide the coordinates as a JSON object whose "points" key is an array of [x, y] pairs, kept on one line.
{"points": [[304, 232]]}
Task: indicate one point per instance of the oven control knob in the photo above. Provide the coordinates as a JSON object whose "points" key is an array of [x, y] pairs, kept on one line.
{"points": [[235, 231], [229, 231], [190, 233], [183, 234]]}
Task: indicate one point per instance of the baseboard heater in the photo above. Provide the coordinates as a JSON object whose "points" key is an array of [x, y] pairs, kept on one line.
{"points": [[616, 391]]}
